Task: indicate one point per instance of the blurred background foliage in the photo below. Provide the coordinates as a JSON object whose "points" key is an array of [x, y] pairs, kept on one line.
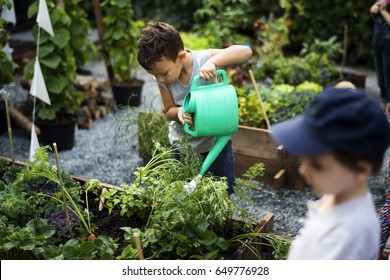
{"points": [[310, 20], [232, 21]]}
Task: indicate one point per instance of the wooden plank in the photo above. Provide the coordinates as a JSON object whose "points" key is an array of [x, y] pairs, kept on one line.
{"points": [[264, 226], [75, 177], [254, 145], [22, 121], [257, 142], [293, 179], [280, 179]]}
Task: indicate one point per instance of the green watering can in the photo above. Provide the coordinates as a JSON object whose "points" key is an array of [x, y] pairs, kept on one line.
{"points": [[215, 113]]}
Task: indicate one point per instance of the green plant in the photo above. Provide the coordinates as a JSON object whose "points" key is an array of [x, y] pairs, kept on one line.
{"points": [[58, 64], [327, 18], [7, 65], [120, 38], [195, 41], [32, 219], [33, 241], [83, 48], [281, 102], [178, 224], [40, 168], [222, 20], [149, 126], [316, 62], [101, 248]]}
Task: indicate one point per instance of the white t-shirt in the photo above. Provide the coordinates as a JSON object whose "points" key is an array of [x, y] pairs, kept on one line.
{"points": [[178, 92], [350, 231]]}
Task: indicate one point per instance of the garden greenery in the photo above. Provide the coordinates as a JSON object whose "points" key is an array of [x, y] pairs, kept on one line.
{"points": [[280, 102], [177, 224], [57, 61], [7, 65]]}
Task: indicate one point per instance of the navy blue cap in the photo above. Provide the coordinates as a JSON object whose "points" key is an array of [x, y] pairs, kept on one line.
{"points": [[338, 119]]}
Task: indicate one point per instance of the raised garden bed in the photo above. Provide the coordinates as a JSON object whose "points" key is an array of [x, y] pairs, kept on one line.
{"points": [[253, 145], [112, 226]]}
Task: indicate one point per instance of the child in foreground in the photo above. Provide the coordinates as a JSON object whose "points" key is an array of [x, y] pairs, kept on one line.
{"points": [[342, 138], [162, 54]]}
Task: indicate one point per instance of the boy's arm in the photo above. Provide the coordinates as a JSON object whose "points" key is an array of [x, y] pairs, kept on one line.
{"points": [[232, 55], [385, 14]]}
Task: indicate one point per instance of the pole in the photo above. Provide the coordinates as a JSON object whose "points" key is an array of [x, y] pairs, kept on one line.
{"points": [[11, 146]]}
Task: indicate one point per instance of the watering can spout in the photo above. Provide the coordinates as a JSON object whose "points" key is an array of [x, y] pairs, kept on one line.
{"points": [[219, 144]]}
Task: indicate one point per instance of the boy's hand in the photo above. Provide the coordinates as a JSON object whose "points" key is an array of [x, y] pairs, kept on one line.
{"points": [[380, 6], [208, 71], [184, 118], [375, 8]]}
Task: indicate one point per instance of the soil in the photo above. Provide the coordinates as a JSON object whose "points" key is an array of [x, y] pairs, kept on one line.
{"points": [[110, 224]]}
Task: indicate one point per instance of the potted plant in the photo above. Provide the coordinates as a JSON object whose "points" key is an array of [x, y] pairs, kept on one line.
{"points": [[120, 40], [7, 66], [57, 61]]}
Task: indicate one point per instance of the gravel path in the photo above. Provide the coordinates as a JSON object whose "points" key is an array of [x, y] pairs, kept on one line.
{"points": [[97, 155]]}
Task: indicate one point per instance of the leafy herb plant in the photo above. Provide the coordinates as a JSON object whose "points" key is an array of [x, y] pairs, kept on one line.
{"points": [[178, 224]]}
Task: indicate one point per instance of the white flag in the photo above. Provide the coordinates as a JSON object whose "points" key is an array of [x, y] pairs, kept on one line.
{"points": [[38, 86], [34, 143], [8, 51], [43, 18], [9, 15]]}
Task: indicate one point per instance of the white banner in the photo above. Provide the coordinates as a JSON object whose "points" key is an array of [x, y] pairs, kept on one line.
{"points": [[38, 86], [9, 15], [34, 144], [43, 18]]}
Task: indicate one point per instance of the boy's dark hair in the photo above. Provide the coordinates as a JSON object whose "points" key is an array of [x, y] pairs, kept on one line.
{"points": [[158, 39], [352, 161]]}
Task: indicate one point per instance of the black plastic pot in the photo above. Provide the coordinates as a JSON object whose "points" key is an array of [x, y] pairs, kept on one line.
{"points": [[127, 95], [62, 133]]}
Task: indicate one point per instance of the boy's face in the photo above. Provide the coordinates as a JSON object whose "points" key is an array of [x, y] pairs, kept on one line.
{"points": [[327, 175], [167, 71]]}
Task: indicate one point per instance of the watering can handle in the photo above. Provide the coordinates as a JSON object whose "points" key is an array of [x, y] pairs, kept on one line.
{"points": [[195, 81]]}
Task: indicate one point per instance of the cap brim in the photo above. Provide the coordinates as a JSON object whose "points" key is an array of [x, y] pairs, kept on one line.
{"points": [[298, 138]]}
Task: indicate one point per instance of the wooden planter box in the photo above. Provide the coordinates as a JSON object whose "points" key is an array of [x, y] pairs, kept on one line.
{"points": [[253, 145]]}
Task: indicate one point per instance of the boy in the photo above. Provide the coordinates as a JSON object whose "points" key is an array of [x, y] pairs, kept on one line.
{"points": [[342, 138], [161, 53]]}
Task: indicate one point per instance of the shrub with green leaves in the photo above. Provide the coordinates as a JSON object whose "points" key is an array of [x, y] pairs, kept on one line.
{"points": [[58, 64], [280, 102], [7, 65]]}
